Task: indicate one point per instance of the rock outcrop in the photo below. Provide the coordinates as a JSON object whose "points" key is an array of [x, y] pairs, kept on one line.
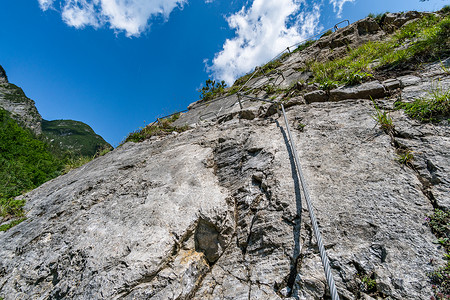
{"points": [[22, 108], [216, 212]]}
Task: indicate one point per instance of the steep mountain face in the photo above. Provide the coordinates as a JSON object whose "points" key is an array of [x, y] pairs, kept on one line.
{"points": [[217, 212], [22, 108], [65, 135]]}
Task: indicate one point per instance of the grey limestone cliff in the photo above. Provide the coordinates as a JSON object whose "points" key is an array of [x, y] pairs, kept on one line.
{"points": [[22, 108]]}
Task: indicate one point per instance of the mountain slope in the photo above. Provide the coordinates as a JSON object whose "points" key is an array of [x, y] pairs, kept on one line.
{"points": [[73, 136], [22, 108], [25, 162]]}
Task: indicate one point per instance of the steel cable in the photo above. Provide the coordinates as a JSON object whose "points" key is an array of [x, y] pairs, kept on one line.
{"points": [[323, 254]]}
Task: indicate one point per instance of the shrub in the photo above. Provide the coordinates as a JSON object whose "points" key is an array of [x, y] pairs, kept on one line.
{"points": [[378, 17], [25, 163], [212, 89]]}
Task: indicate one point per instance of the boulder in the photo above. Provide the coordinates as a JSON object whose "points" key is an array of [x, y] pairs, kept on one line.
{"points": [[316, 96], [368, 90]]}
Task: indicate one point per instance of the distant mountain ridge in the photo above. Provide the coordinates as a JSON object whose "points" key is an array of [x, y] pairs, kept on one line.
{"points": [[75, 137]]}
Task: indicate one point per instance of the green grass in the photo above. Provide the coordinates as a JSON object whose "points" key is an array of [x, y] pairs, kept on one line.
{"points": [[326, 33], [383, 119], [370, 284], [270, 66], [163, 127], [433, 108], [11, 224], [405, 157], [420, 41], [439, 223], [303, 46]]}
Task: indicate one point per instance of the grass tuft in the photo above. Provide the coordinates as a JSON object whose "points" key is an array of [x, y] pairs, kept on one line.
{"points": [[383, 119], [433, 108], [405, 157], [163, 127], [439, 223], [11, 224]]}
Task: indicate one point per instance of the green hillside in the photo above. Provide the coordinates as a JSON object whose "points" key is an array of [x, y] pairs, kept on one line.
{"points": [[25, 163], [74, 137]]}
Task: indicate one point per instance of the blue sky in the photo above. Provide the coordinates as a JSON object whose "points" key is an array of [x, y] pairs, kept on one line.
{"points": [[117, 65]]}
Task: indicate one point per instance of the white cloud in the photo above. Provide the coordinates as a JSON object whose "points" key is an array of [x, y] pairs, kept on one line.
{"points": [[337, 6], [45, 4], [130, 16], [262, 31], [79, 13]]}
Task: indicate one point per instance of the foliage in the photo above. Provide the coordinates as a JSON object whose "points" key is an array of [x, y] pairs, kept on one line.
{"points": [[212, 89], [163, 127], [102, 151], [357, 77], [327, 33], [301, 126], [328, 84], [439, 223], [383, 119], [370, 284], [428, 109], [424, 40], [405, 156], [233, 90], [74, 162], [445, 9], [303, 46], [270, 66], [72, 138], [11, 224], [11, 208], [25, 163], [378, 17]]}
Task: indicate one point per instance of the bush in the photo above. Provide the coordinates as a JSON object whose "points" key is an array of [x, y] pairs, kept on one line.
{"points": [[25, 163], [212, 89]]}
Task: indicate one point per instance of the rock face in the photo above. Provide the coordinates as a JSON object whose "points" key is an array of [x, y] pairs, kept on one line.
{"points": [[22, 108], [216, 212]]}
